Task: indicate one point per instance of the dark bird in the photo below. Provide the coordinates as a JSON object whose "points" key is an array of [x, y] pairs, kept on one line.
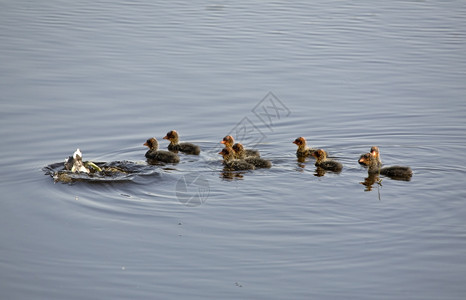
{"points": [[184, 147], [159, 155], [303, 149], [232, 163], [258, 162], [323, 162], [228, 141], [374, 163]]}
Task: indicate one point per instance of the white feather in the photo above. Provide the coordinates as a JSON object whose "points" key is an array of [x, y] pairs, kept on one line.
{"points": [[77, 152]]}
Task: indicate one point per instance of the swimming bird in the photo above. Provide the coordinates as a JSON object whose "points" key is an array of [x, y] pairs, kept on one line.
{"points": [[258, 162], [184, 147], [323, 162], [75, 163], [303, 149], [374, 153], [159, 155], [228, 141], [232, 163], [374, 163]]}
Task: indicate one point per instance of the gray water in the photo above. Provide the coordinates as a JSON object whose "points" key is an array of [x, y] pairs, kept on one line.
{"points": [[104, 76]]}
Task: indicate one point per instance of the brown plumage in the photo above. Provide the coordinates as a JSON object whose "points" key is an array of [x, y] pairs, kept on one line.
{"points": [[303, 149], [159, 155], [258, 162], [184, 147], [374, 153], [323, 162], [232, 163], [374, 163], [229, 141]]}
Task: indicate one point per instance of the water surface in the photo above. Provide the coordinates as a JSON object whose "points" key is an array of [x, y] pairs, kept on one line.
{"points": [[105, 76]]}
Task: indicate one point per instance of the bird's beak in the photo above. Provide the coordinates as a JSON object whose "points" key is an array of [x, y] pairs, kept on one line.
{"points": [[165, 137], [222, 142], [145, 144], [294, 142]]}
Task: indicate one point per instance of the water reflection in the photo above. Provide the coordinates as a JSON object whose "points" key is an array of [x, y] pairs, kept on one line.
{"points": [[163, 165], [301, 160], [370, 180], [319, 172], [229, 175], [300, 165], [373, 177]]}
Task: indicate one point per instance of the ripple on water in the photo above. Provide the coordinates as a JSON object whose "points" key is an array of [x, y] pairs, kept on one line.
{"points": [[117, 171]]}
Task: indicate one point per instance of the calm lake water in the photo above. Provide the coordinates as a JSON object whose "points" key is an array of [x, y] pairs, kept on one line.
{"points": [[104, 76]]}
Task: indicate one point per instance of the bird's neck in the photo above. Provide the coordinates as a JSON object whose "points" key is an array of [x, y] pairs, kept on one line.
{"points": [[321, 159], [174, 141], [302, 148]]}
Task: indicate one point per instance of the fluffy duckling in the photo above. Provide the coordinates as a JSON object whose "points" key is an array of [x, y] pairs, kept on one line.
{"points": [[323, 162], [234, 164], [228, 141], [376, 153], [373, 162], [175, 145], [303, 149], [159, 155], [256, 161]]}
